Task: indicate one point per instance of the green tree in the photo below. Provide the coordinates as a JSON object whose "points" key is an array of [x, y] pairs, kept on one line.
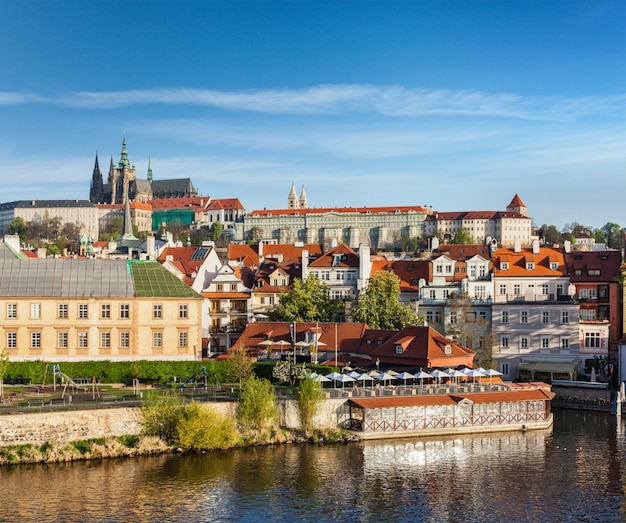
{"points": [[310, 396], [201, 427], [18, 226], [307, 301], [462, 237], [239, 365], [613, 235], [216, 231], [379, 306], [551, 235], [257, 403]]}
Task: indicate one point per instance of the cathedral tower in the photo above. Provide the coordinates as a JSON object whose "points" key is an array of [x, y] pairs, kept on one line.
{"points": [[96, 191]]}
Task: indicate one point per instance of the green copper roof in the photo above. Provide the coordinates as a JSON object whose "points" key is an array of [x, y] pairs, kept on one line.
{"points": [[152, 280]]}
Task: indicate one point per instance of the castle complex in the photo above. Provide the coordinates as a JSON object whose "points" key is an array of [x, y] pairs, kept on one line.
{"points": [[122, 183]]}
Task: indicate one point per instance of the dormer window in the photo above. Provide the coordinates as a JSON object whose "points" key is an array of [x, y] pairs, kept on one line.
{"points": [[530, 266], [554, 266], [447, 349], [399, 349], [504, 266]]}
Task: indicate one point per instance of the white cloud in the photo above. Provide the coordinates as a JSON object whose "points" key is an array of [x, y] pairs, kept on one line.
{"points": [[394, 101]]}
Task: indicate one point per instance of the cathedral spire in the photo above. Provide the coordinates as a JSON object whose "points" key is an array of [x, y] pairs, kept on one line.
{"points": [[124, 158], [128, 223], [96, 190], [149, 168]]}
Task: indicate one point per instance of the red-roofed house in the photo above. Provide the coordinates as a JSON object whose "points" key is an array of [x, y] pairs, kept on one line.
{"points": [[535, 314]]}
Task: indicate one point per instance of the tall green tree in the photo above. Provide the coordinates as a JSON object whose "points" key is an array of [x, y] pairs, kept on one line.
{"points": [[462, 237], [379, 306], [613, 235], [307, 301], [216, 231], [18, 226]]}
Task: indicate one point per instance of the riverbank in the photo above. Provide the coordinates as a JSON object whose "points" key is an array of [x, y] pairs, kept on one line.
{"points": [[131, 446]]}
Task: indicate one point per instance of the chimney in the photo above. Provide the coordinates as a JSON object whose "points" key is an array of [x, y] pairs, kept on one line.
{"points": [[535, 246], [517, 246], [567, 246]]}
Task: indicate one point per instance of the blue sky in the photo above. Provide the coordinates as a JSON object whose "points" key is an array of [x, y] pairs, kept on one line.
{"points": [[453, 104]]}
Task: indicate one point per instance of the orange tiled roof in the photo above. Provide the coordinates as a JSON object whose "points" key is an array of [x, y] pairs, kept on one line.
{"points": [[452, 399], [197, 203], [182, 258], [516, 202], [348, 258], [517, 262], [226, 203]]}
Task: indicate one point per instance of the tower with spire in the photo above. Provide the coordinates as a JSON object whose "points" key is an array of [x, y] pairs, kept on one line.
{"points": [[517, 205], [96, 190], [292, 199], [304, 203]]}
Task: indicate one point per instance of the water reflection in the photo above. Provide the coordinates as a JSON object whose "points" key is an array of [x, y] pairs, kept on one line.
{"points": [[572, 474]]}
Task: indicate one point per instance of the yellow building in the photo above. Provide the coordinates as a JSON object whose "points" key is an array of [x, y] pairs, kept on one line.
{"points": [[86, 309]]}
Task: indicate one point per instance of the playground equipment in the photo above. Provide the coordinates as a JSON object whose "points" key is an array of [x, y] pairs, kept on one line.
{"points": [[55, 369], [193, 379]]}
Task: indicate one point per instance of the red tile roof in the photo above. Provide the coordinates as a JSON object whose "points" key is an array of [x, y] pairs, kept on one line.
{"points": [[226, 203], [196, 203], [347, 258], [517, 262], [452, 399]]}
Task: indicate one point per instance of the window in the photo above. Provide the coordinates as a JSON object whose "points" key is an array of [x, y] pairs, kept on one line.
{"points": [[105, 340], [453, 317], [565, 343], [399, 349], [35, 311], [593, 272], [157, 311], [592, 294], [233, 287], [564, 316], [124, 339], [504, 342], [157, 339], [83, 340], [35, 340], [545, 317], [262, 300], [504, 317], [502, 290], [517, 289], [11, 340], [11, 310], [530, 266], [62, 340], [524, 317], [523, 342], [592, 339], [432, 293], [183, 339], [480, 291], [482, 315], [220, 287], [83, 311], [545, 342], [543, 289], [504, 266], [183, 311], [429, 316], [63, 310], [588, 314], [583, 293], [504, 368], [437, 316], [105, 311], [554, 266], [124, 311]]}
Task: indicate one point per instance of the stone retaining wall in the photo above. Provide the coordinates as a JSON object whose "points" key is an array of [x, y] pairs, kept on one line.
{"points": [[74, 425]]}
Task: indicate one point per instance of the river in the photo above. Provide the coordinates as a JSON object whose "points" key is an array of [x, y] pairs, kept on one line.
{"points": [[574, 473]]}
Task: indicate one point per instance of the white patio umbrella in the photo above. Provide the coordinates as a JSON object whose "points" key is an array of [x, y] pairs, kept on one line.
{"points": [[319, 378], [365, 378], [491, 373], [374, 373], [475, 373], [343, 379], [438, 374], [455, 374], [385, 376], [266, 343], [332, 376], [354, 374], [422, 375], [405, 376]]}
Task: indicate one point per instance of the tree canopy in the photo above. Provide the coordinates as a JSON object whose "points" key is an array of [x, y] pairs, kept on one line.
{"points": [[307, 301], [379, 306]]}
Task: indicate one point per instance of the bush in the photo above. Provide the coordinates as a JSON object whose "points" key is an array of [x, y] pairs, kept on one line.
{"points": [[257, 403], [161, 417], [201, 428], [309, 397]]}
